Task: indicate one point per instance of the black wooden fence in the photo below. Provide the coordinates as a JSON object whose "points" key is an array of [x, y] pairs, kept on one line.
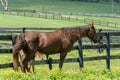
{"points": [[8, 35]]}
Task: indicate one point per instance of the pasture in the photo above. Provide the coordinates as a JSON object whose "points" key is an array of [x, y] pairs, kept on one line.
{"points": [[21, 21], [65, 5], [93, 70]]}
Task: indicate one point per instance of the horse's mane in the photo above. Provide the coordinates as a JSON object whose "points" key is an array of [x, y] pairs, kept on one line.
{"points": [[70, 31]]}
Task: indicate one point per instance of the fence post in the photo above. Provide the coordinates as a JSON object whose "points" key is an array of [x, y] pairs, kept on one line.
{"points": [[39, 15], [24, 12], [108, 51], [23, 30], [13, 36], [50, 63], [69, 18], [31, 14], [107, 24], [100, 42], [77, 18], [53, 15], [61, 17], [99, 22], [45, 15], [80, 59], [84, 20], [115, 25], [17, 11]]}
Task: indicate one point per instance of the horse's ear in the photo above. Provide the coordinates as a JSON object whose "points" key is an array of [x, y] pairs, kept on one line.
{"points": [[91, 25]]}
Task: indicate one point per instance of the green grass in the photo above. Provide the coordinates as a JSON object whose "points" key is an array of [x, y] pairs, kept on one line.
{"points": [[21, 21], [93, 70], [88, 73], [64, 5]]}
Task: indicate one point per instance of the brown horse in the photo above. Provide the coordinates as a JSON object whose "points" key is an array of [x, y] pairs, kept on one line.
{"points": [[59, 41]]}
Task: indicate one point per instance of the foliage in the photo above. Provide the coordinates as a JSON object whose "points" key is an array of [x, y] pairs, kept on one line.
{"points": [[88, 73], [93, 70]]}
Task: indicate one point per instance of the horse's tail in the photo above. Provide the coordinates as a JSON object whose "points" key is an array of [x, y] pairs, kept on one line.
{"points": [[20, 44]]}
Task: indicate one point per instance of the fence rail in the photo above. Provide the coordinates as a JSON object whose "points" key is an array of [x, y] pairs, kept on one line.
{"points": [[67, 16], [78, 47], [56, 61]]}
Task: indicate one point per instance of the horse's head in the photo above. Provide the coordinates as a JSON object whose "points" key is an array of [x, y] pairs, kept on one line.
{"points": [[92, 33]]}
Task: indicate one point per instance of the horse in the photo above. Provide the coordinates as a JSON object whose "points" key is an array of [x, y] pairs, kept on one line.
{"points": [[31, 62], [22, 55], [59, 41]]}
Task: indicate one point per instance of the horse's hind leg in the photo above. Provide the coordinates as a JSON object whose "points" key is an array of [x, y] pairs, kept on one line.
{"points": [[15, 57]]}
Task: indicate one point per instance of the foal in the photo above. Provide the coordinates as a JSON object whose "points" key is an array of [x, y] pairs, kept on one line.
{"points": [[30, 63], [59, 41]]}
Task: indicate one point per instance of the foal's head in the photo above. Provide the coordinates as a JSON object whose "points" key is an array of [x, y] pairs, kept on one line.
{"points": [[92, 33]]}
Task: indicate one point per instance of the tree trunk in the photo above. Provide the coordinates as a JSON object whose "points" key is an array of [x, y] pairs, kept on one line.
{"points": [[4, 4]]}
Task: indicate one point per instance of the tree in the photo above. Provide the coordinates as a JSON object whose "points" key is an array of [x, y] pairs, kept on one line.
{"points": [[4, 4]]}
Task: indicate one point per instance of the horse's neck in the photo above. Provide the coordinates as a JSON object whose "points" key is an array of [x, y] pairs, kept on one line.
{"points": [[79, 33], [75, 33], [83, 32]]}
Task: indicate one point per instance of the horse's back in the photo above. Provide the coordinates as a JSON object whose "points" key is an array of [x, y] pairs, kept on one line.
{"points": [[31, 35], [47, 42], [50, 42]]}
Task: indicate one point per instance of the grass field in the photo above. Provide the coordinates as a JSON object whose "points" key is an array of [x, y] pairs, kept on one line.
{"points": [[21, 21], [94, 70], [65, 5]]}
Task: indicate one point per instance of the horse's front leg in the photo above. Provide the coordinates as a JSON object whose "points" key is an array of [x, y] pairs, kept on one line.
{"points": [[62, 57]]}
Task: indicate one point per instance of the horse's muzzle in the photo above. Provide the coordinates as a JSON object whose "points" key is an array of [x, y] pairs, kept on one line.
{"points": [[96, 40]]}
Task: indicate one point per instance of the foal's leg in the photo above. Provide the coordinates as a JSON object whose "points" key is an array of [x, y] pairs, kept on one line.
{"points": [[25, 60], [24, 65], [22, 55], [28, 66], [62, 57], [32, 62]]}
